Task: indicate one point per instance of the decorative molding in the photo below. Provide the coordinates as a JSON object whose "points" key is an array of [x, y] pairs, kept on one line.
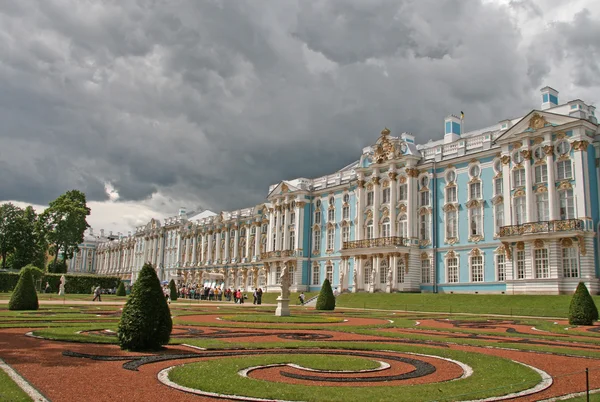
{"points": [[505, 159], [520, 246], [517, 144], [526, 154], [548, 149], [564, 185], [450, 254], [519, 193], [412, 172], [450, 207], [538, 243], [452, 240], [424, 243], [580, 145], [581, 241], [560, 135], [360, 183], [392, 175], [536, 122], [475, 238], [497, 200], [475, 252], [541, 189], [566, 242], [375, 180], [475, 203], [538, 140], [507, 250], [402, 179]]}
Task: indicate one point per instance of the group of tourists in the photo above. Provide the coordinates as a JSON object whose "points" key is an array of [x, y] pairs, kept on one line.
{"points": [[197, 292]]}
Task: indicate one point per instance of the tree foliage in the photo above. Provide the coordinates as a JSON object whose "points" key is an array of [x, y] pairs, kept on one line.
{"points": [[326, 299], [65, 223], [146, 322], [57, 267], [583, 310], [24, 296], [173, 290], [121, 290], [9, 230]]}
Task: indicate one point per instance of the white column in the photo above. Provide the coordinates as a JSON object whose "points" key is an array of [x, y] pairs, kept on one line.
{"points": [[286, 228], [257, 235], [393, 264], [393, 201], [552, 196], [411, 204], [247, 251], [270, 231], [299, 224], [227, 250], [507, 187], [278, 238], [218, 256], [360, 206], [195, 246], [529, 196], [236, 245], [210, 241], [582, 189], [376, 202]]}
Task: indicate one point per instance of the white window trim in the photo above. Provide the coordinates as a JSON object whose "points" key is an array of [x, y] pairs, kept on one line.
{"points": [[482, 255]]}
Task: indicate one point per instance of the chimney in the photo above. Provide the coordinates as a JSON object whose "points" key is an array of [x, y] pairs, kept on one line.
{"points": [[505, 124], [129, 233], [452, 128], [110, 233], [182, 211], [549, 97], [91, 231], [101, 232], [408, 137]]}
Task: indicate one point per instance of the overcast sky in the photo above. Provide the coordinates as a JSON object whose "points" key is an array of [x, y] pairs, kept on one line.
{"points": [[147, 106]]}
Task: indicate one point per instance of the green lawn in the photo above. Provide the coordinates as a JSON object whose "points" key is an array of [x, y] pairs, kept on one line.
{"points": [[10, 391], [525, 305]]}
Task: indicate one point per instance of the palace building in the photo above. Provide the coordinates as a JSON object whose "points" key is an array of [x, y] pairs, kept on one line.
{"points": [[510, 208]]}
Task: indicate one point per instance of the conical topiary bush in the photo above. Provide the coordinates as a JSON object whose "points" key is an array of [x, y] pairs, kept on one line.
{"points": [[24, 296], [326, 299], [173, 290], [583, 310], [146, 322], [121, 290]]}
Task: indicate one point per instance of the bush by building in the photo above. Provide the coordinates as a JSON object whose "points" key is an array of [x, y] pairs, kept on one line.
{"points": [[24, 297], [583, 310], [173, 290], [121, 290], [76, 284], [146, 322], [58, 267], [326, 299]]}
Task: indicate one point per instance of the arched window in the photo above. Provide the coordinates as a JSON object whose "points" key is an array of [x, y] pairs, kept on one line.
{"points": [[329, 273], [476, 267], [400, 268], [385, 226], [383, 271], [330, 238], [367, 276], [403, 226], [315, 275], [317, 240], [476, 221], [292, 244], [369, 234], [278, 275], [520, 210], [451, 224], [570, 261], [566, 203]]}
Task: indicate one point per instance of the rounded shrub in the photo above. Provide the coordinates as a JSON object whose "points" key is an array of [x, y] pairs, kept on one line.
{"points": [[146, 322], [24, 296], [173, 290], [326, 299], [583, 310], [121, 290]]}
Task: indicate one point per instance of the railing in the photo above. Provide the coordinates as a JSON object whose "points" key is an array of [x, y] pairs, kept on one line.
{"points": [[541, 227], [279, 253], [379, 242]]}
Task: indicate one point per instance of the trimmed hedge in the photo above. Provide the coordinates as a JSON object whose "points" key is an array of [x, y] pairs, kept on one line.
{"points": [[146, 322], [59, 268], [173, 289], [583, 310], [76, 284], [121, 290], [326, 299], [24, 297]]}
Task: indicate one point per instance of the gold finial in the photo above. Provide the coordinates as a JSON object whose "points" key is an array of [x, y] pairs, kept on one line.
{"points": [[385, 131]]}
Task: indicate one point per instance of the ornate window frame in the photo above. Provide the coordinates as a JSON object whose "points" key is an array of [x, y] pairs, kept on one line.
{"points": [[451, 238], [452, 255], [315, 274], [500, 251], [426, 263], [572, 270], [540, 254], [472, 206], [476, 253]]}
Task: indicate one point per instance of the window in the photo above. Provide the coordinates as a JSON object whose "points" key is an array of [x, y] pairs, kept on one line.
{"points": [[329, 273], [424, 232], [386, 195], [330, 238], [424, 181], [318, 203], [498, 166], [346, 198], [317, 217], [566, 203], [315, 275], [262, 280], [292, 275], [452, 269], [277, 275], [499, 217], [477, 268], [451, 194], [424, 198], [520, 210], [563, 147], [570, 262], [541, 174], [274, 241], [517, 157], [385, 228], [345, 212], [367, 277], [518, 178], [331, 201], [265, 227], [402, 192], [403, 226], [520, 263], [400, 267], [474, 171], [451, 224], [541, 263], [563, 170], [541, 201], [498, 186], [346, 233], [293, 218], [451, 176], [369, 198], [425, 271], [476, 222], [500, 267], [474, 190], [369, 234], [331, 215], [538, 153], [383, 271], [317, 244], [292, 240]]}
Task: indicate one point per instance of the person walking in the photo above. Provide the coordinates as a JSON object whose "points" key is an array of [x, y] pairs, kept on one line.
{"points": [[301, 297], [259, 293], [97, 293]]}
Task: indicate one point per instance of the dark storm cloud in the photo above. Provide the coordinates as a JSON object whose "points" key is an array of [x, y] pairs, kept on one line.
{"points": [[211, 102]]}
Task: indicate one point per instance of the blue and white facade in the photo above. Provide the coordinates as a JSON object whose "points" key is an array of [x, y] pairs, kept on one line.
{"points": [[511, 208]]}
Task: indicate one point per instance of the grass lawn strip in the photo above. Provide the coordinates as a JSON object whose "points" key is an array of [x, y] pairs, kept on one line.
{"points": [[15, 388], [275, 319], [220, 376]]}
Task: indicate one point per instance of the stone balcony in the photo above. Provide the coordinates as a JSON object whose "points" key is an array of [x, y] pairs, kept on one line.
{"points": [[374, 243], [278, 254], [544, 227]]}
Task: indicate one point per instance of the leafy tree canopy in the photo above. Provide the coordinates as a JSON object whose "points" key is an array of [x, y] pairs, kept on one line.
{"points": [[9, 230]]}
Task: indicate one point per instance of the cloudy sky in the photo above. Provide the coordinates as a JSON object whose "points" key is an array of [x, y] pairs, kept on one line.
{"points": [[149, 105]]}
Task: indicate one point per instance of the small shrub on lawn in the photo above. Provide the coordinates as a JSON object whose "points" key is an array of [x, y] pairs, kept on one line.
{"points": [[24, 296], [121, 290], [146, 322], [173, 290], [583, 310], [326, 299]]}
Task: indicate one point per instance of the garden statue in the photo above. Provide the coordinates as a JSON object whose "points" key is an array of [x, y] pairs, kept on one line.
{"points": [[283, 301], [61, 289]]}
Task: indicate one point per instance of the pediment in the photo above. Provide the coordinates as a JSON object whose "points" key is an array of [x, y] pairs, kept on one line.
{"points": [[534, 121], [283, 188]]}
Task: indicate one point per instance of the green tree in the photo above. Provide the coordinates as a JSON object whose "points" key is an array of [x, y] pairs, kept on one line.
{"points": [[24, 296], [583, 310], [326, 299], [9, 230], [121, 289], [30, 246], [146, 322], [65, 223], [173, 290]]}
